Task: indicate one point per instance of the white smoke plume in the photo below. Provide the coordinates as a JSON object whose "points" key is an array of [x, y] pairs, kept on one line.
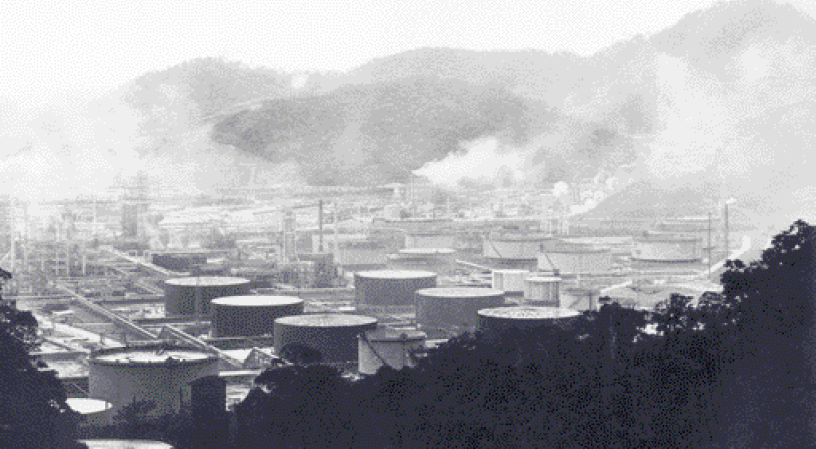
{"points": [[484, 160]]}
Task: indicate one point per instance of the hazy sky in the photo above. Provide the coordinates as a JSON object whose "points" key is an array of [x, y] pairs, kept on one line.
{"points": [[98, 45]]}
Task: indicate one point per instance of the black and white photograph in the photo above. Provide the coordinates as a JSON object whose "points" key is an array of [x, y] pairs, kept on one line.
{"points": [[367, 224]]}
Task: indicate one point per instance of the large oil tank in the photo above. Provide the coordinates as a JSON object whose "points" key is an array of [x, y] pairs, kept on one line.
{"points": [[438, 260], [94, 411], [236, 316], [388, 346], [333, 335], [667, 248], [576, 258], [494, 321], [513, 246], [180, 293], [511, 281], [454, 307], [158, 373], [429, 240], [542, 289], [391, 287]]}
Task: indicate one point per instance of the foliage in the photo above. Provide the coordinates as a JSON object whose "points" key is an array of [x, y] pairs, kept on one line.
{"points": [[33, 408]]}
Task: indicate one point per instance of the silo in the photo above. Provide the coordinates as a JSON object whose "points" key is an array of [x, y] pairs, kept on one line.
{"points": [[235, 316], [441, 261], [180, 293], [94, 411], [542, 289], [391, 287], [157, 373], [418, 239], [454, 306], [511, 281], [333, 335], [388, 346], [494, 321]]}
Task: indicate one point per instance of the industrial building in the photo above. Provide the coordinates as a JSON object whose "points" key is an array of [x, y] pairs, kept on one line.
{"points": [[142, 283]]}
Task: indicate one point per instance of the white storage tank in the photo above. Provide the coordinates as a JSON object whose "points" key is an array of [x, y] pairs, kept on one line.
{"points": [[429, 240], [333, 335], [157, 373], [441, 261], [96, 412], [513, 246], [542, 289], [575, 258], [454, 307], [511, 281], [494, 321], [667, 248], [388, 346], [391, 287]]}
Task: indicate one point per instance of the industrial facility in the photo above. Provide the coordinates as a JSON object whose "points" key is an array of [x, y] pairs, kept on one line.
{"points": [[141, 293]]}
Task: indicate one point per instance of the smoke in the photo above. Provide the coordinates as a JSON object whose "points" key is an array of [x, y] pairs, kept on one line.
{"points": [[65, 147], [484, 160]]}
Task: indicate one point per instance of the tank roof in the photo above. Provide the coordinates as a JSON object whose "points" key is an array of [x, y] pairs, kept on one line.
{"points": [[125, 444], [395, 274], [326, 320], [386, 334], [148, 355], [529, 313], [460, 292], [87, 405], [207, 281], [577, 248], [257, 300], [666, 238], [543, 279], [427, 251]]}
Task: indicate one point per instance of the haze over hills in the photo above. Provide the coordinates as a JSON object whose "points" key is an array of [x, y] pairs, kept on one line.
{"points": [[717, 105]]}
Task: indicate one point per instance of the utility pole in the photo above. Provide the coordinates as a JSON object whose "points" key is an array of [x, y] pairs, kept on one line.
{"points": [[709, 245], [320, 224]]}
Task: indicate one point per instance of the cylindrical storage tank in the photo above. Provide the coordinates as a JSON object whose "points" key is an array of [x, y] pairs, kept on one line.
{"points": [[333, 335], [391, 287], [388, 346], [512, 246], [125, 444], [579, 298], [246, 316], [438, 260], [667, 248], [157, 373], [95, 412], [180, 293], [542, 289], [454, 306], [430, 240], [212, 269], [258, 277], [576, 258], [495, 321], [511, 281]]}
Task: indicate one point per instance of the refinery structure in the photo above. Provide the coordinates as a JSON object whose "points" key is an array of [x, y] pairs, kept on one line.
{"points": [[139, 295]]}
